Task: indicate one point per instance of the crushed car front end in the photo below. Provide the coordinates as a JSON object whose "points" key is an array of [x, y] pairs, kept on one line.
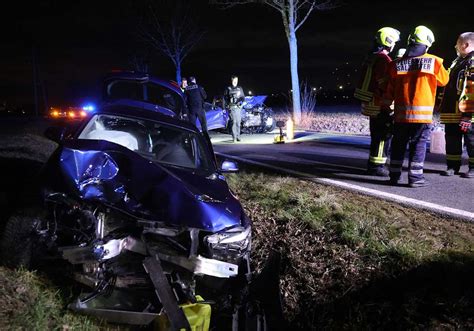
{"points": [[137, 206]]}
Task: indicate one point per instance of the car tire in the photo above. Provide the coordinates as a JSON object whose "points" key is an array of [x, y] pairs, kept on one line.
{"points": [[18, 239]]}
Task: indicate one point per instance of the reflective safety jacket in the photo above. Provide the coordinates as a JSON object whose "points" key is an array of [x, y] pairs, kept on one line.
{"points": [[458, 96], [373, 82], [412, 86]]}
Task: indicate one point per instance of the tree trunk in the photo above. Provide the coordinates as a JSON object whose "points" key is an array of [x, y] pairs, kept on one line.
{"points": [[295, 85], [178, 72]]}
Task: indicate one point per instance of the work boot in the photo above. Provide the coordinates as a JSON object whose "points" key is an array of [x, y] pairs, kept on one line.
{"points": [[395, 181], [419, 183], [468, 174], [379, 172], [238, 139], [450, 172]]}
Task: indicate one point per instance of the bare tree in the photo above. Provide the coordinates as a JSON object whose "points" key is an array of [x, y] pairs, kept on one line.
{"points": [[139, 62], [308, 98], [294, 14], [172, 31]]}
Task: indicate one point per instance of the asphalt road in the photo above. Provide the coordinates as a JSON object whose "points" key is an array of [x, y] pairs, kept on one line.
{"points": [[340, 160]]}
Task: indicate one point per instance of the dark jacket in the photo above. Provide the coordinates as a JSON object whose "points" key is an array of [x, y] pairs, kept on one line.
{"points": [[233, 96], [195, 96], [462, 69]]}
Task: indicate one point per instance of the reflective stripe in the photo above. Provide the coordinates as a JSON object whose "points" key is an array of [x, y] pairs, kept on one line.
{"points": [[363, 95], [410, 107], [453, 157], [377, 160], [450, 118], [416, 165], [370, 112], [368, 77], [370, 107], [414, 117], [381, 146], [416, 172]]}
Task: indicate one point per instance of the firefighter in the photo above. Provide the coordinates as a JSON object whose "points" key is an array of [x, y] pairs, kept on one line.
{"points": [[233, 98], [412, 84], [457, 107], [195, 96], [370, 93]]}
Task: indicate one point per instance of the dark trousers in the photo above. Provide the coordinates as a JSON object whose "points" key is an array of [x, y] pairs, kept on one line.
{"points": [[454, 146], [379, 142], [200, 114], [236, 116], [416, 135]]}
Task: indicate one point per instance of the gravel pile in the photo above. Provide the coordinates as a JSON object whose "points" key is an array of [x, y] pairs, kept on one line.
{"points": [[348, 122]]}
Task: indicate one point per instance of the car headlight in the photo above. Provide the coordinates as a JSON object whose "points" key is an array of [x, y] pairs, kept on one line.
{"points": [[229, 245]]}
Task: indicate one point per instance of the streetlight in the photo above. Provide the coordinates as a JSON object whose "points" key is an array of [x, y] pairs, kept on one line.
{"points": [[250, 92]]}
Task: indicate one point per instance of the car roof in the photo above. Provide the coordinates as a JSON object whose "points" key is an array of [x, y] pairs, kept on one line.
{"points": [[141, 77], [128, 111]]}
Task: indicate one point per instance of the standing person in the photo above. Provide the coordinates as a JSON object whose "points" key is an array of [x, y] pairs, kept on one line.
{"points": [[412, 85], [184, 113], [233, 98], [370, 92], [195, 96], [457, 107]]}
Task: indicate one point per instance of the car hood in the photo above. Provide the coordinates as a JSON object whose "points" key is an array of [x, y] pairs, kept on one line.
{"points": [[254, 101], [102, 171]]}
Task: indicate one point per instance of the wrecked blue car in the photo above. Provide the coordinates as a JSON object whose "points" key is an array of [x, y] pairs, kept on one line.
{"points": [[256, 116], [136, 208]]}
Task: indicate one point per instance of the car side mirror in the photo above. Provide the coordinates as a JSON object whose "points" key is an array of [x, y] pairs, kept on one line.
{"points": [[55, 133], [229, 166]]}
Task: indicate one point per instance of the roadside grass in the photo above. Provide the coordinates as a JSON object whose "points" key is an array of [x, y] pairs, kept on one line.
{"points": [[338, 245], [30, 302]]}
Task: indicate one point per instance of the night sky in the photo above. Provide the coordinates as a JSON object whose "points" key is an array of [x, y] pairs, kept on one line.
{"points": [[77, 42]]}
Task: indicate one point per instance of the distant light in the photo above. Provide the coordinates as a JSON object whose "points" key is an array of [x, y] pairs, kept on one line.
{"points": [[71, 114], [83, 113], [341, 87], [250, 92], [88, 108], [314, 89]]}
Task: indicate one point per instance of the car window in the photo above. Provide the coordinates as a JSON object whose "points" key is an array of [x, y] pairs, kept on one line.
{"points": [[125, 90], [164, 97], [156, 141]]}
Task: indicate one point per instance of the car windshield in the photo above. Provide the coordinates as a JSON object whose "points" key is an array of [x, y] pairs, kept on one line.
{"points": [[156, 141]]}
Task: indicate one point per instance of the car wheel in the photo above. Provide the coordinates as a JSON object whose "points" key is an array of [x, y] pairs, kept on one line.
{"points": [[18, 240]]}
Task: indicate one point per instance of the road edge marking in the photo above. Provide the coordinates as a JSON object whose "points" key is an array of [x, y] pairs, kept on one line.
{"points": [[410, 202]]}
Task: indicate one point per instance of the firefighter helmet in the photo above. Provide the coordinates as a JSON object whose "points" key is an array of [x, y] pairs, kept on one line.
{"points": [[387, 36], [422, 35]]}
